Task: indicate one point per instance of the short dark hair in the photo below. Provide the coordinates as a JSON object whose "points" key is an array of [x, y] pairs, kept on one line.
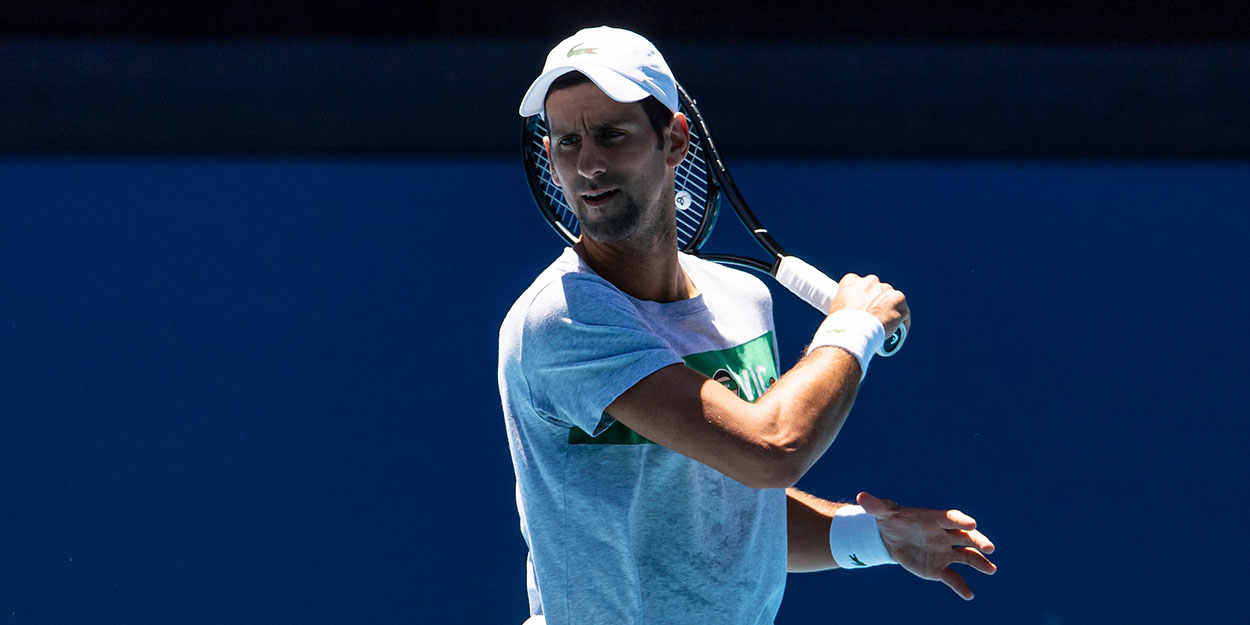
{"points": [[658, 114]]}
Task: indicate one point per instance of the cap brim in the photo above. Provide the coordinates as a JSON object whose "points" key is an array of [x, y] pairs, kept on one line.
{"points": [[616, 86]]}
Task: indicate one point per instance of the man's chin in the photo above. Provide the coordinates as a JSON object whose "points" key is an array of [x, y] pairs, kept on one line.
{"points": [[600, 236], [606, 229], [609, 232]]}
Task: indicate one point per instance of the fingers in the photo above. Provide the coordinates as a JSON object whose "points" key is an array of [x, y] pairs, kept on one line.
{"points": [[979, 541], [957, 520], [956, 583], [870, 294], [905, 310], [869, 284], [974, 559], [967, 527], [970, 548]]}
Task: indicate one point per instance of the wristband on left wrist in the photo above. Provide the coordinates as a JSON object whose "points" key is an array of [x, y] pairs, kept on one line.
{"points": [[855, 539]]}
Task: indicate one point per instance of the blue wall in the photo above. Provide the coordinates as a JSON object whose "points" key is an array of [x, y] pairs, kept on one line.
{"points": [[264, 390]]}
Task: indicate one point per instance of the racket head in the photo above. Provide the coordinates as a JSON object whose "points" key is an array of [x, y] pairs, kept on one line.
{"points": [[697, 196]]}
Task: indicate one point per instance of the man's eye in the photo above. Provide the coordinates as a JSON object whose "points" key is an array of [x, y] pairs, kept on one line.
{"points": [[567, 141]]}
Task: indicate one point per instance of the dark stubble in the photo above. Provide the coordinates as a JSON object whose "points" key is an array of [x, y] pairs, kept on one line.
{"points": [[612, 228]]}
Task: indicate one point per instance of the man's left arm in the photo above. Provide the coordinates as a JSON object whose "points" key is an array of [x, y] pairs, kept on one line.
{"points": [[925, 542]]}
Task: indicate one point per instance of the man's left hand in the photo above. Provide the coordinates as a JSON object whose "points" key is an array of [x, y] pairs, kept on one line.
{"points": [[926, 542]]}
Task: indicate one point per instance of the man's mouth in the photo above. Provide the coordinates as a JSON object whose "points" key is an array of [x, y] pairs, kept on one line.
{"points": [[598, 198]]}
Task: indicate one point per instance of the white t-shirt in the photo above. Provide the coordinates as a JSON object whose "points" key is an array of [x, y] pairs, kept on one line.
{"points": [[622, 530]]}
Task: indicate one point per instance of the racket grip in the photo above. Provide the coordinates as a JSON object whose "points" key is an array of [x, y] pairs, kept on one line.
{"points": [[817, 289]]}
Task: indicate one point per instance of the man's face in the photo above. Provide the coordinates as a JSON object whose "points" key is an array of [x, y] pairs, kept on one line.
{"points": [[604, 156]]}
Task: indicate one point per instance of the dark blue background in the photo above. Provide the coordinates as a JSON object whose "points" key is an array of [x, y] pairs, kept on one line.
{"points": [[264, 390]]}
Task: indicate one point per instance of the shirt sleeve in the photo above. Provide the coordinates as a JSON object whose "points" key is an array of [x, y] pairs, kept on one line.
{"points": [[583, 344]]}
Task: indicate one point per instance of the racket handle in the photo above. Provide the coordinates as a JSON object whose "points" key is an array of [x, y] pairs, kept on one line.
{"points": [[817, 289]]}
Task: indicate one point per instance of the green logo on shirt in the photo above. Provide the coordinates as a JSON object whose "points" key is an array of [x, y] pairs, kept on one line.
{"points": [[748, 369]]}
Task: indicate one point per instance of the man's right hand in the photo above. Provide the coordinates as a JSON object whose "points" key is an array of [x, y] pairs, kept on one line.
{"points": [[870, 294]]}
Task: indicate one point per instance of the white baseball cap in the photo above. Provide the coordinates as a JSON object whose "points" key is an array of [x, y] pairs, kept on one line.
{"points": [[623, 64]]}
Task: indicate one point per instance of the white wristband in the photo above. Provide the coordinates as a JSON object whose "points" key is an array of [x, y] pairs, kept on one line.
{"points": [[856, 331], [855, 539]]}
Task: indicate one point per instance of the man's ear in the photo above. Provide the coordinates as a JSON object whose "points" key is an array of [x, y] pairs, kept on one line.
{"points": [[551, 164], [679, 134]]}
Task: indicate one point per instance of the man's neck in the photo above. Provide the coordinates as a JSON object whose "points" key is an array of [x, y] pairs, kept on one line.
{"points": [[645, 273]]}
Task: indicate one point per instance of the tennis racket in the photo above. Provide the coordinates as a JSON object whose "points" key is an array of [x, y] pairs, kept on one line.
{"points": [[702, 181]]}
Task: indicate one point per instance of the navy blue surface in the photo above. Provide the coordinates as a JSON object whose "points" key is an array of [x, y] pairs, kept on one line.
{"points": [[264, 390]]}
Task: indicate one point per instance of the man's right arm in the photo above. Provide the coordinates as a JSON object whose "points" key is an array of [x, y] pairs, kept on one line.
{"points": [[772, 442]]}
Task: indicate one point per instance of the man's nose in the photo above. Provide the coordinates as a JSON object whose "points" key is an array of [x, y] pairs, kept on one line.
{"points": [[590, 161]]}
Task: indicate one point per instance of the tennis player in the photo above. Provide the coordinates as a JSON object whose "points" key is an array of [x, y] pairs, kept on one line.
{"points": [[655, 443]]}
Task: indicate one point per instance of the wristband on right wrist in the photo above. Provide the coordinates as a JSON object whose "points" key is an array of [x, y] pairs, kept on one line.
{"points": [[856, 331]]}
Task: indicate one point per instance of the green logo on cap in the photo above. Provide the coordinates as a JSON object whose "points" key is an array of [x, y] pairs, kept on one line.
{"points": [[576, 50]]}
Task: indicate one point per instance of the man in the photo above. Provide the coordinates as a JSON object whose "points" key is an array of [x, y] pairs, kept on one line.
{"points": [[648, 490]]}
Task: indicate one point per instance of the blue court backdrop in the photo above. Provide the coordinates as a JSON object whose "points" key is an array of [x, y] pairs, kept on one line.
{"points": [[263, 390]]}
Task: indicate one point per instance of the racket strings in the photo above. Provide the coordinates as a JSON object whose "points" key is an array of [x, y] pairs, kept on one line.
{"points": [[542, 171], [692, 178]]}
